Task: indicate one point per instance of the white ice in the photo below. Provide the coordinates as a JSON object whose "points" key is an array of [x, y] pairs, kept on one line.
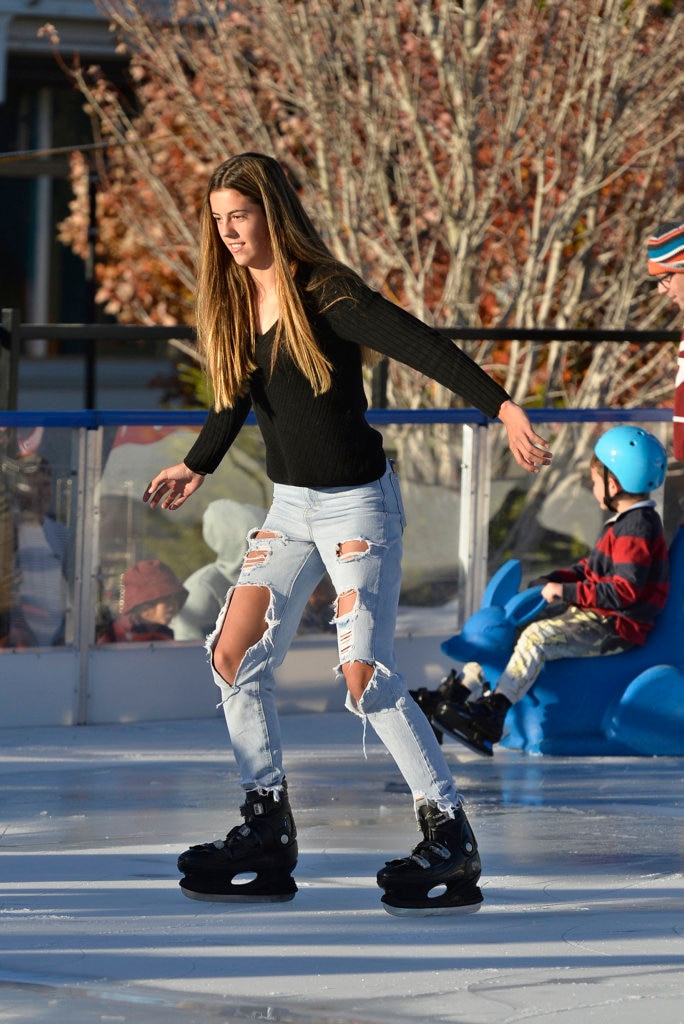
{"points": [[583, 919]]}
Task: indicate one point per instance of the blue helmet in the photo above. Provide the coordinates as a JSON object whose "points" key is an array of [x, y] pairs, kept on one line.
{"points": [[636, 458]]}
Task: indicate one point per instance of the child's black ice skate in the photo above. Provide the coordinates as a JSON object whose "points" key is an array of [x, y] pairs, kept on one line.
{"points": [[254, 863], [478, 725], [451, 689], [440, 875]]}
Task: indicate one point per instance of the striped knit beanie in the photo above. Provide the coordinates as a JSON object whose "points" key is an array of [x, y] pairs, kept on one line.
{"points": [[666, 250]]}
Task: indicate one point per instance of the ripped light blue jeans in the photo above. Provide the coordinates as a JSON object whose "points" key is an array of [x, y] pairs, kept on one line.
{"points": [[309, 527]]}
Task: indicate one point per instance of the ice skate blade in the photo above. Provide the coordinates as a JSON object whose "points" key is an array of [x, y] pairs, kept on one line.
{"points": [[207, 897], [483, 747], [217, 889], [430, 911]]}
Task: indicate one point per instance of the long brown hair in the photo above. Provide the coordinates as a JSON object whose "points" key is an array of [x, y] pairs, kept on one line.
{"points": [[226, 296]]}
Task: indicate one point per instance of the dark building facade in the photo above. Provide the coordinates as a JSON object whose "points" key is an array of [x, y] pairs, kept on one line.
{"points": [[40, 113]]}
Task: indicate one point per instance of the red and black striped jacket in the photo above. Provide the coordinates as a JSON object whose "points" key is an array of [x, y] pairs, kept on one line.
{"points": [[626, 574]]}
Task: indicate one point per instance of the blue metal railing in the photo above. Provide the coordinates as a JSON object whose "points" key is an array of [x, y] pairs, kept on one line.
{"points": [[93, 419]]}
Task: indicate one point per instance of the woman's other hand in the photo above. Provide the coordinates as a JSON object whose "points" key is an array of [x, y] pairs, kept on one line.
{"points": [[530, 450], [172, 487]]}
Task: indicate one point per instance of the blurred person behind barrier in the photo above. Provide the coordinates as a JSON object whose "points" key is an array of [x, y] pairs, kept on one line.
{"points": [[152, 596], [41, 557], [665, 251], [225, 526]]}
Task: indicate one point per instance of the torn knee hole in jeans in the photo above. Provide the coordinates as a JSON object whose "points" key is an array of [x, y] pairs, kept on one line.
{"points": [[255, 619]]}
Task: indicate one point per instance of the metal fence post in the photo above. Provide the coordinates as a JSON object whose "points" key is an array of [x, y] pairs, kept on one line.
{"points": [[86, 576], [473, 533]]}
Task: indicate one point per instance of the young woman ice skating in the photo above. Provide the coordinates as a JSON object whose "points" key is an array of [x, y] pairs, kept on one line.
{"points": [[285, 329]]}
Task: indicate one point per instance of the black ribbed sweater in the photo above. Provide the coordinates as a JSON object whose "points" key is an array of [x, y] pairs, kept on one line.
{"points": [[325, 440]]}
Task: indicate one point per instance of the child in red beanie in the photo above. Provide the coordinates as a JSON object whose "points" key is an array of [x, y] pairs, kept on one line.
{"points": [[152, 595]]}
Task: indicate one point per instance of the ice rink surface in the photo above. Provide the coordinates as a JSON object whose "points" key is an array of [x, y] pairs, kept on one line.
{"points": [[583, 862]]}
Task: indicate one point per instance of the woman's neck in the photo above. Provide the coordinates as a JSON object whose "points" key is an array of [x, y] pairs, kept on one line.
{"points": [[268, 310]]}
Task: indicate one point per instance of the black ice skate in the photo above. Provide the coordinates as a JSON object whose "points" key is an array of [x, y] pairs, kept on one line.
{"points": [[255, 861], [440, 876], [452, 689], [478, 725]]}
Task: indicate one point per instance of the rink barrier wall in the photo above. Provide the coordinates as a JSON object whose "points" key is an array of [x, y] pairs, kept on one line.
{"points": [[85, 683]]}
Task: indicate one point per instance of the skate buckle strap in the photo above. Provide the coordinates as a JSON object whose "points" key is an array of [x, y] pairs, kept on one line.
{"points": [[258, 807], [237, 832], [429, 847]]}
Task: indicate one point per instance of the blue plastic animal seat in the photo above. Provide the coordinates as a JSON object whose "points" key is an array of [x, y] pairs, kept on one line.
{"points": [[630, 703]]}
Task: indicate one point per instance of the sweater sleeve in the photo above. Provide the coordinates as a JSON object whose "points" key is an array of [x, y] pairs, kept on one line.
{"points": [[371, 320], [216, 436]]}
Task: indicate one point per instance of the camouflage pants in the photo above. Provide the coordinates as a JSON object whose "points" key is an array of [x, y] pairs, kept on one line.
{"points": [[575, 633]]}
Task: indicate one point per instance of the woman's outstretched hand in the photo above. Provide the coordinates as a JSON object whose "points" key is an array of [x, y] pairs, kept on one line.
{"points": [[172, 486], [529, 449]]}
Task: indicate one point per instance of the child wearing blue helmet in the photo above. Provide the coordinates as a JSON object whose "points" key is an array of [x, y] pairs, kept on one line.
{"points": [[604, 604]]}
